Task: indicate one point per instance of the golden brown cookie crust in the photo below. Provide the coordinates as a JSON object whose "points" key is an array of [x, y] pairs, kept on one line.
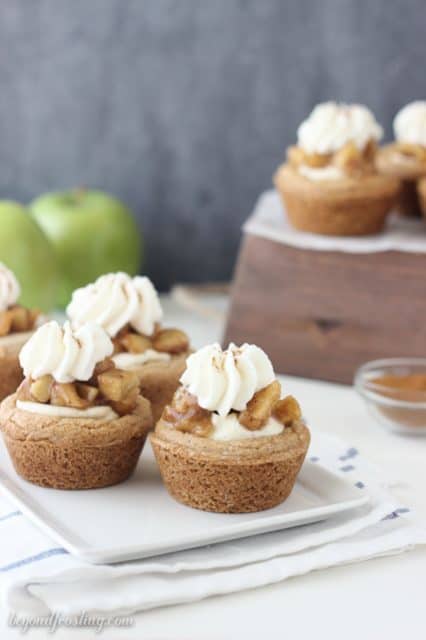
{"points": [[344, 207], [391, 162], [421, 191], [159, 380], [72, 453], [11, 374], [236, 476]]}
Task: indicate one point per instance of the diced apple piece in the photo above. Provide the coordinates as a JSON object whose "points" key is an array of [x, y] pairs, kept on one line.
{"points": [[287, 410], [23, 391], [87, 391], [201, 426], [170, 341], [317, 160], [128, 403], [116, 384], [135, 343], [40, 389], [105, 365], [260, 407], [118, 347], [5, 323], [65, 395], [348, 157]]}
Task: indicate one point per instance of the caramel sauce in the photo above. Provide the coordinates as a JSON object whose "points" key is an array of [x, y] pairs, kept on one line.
{"points": [[403, 387], [408, 388]]}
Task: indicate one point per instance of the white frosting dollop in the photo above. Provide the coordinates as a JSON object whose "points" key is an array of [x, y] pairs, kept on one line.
{"points": [[409, 124], [226, 380], [318, 174], [330, 126], [101, 412], [114, 300], [65, 354], [228, 428], [9, 288], [129, 361]]}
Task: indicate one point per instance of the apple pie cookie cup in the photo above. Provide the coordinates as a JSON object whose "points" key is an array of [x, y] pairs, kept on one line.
{"points": [[344, 207], [396, 161], [240, 476], [129, 310], [228, 442], [17, 324], [74, 453], [11, 374]]}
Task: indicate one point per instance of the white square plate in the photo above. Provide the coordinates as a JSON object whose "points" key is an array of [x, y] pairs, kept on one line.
{"points": [[138, 518]]}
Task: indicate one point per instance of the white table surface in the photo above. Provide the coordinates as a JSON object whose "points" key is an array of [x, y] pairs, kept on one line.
{"points": [[378, 599]]}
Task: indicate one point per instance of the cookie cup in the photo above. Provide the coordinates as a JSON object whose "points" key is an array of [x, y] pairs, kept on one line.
{"points": [[238, 476], [159, 380], [74, 453], [11, 374], [421, 192], [344, 207], [391, 162]]}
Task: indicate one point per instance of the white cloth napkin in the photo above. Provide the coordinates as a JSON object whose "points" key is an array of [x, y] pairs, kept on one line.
{"points": [[37, 577], [270, 221]]}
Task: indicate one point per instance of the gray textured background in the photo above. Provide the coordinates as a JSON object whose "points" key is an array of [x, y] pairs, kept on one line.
{"points": [[183, 108]]}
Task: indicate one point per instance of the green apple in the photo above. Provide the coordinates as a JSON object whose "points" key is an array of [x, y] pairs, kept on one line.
{"points": [[26, 251], [92, 233]]}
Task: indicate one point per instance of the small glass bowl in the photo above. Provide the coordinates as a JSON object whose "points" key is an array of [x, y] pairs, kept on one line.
{"points": [[405, 414]]}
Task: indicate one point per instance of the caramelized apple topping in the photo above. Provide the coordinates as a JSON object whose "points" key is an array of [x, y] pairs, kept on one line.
{"points": [[349, 159], [135, 343], [260, 407], [185, 414], [108, 385], [287, 410], [65, 394], [171, 341], [41, 388], [16, 319]]}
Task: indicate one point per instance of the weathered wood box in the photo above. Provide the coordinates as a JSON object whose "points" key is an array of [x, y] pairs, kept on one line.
{"points": [[321, 313]]}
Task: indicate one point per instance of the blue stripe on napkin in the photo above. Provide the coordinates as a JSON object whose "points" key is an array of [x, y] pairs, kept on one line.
{"points": [[12, 514], [55, 551]]}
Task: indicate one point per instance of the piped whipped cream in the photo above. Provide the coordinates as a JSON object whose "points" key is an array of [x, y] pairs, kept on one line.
{"points": [[228, 428], [409, 124], [64, 353], [331, 125], [9, 288], [318, 174], [114, 300], [223, 381], [129, 361], [101, 412]]}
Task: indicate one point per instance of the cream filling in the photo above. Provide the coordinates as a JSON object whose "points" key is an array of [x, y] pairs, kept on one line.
{"points": [[102, 412], [228, 428], [317, 174], [128, 361]]}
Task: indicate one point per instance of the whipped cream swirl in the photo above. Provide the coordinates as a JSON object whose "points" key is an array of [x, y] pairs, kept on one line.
{"points": [[223, 381], [409, 124], [330, 126], [9, 288], [65, 354], [114, 300]]}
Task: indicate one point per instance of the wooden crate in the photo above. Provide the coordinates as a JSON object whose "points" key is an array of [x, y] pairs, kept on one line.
{"points": [[322, 314]]}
